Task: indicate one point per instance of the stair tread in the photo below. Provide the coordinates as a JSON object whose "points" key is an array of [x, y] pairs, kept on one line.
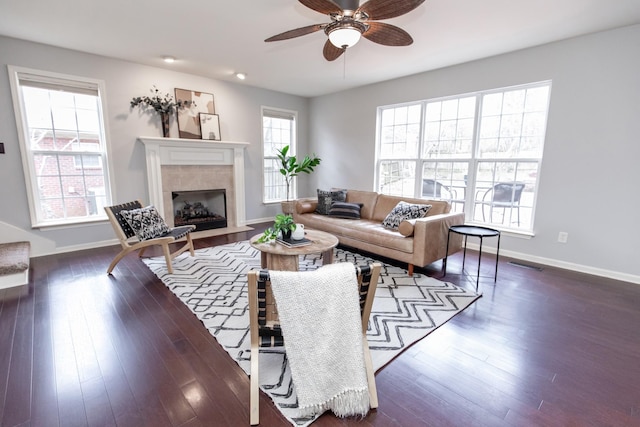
{"points": [[14, 257]]}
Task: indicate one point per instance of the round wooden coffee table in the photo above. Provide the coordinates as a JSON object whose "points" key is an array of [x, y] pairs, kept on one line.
{"points": [[276, 256]]}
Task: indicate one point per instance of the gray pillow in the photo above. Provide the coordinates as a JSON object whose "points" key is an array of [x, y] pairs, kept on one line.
{"points": [[345, 210], [326, 198]]}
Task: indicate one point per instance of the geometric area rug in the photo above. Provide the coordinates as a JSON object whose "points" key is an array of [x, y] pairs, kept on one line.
{"points": [[213, 284]]}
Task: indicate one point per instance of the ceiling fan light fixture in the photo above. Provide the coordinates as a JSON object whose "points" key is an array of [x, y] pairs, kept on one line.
{"points": [[344, 37]]}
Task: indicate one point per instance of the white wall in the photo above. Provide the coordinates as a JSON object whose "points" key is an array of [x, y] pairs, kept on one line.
{"points": [[237, 104], [590, 174]]}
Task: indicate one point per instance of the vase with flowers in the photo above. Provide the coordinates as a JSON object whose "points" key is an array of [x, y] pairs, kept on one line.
{"points": [[161, 104]]}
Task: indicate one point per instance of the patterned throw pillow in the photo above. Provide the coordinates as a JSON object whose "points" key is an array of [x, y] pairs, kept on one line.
{"points": [[145, 222], [402, 211], [325, 198], [345, 210]]}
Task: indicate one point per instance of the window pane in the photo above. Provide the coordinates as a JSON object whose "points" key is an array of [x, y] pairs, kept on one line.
{"points": [[400, 132], [537, 99], [397, 178], [447, 181], [38, 113], [504, 193], [518, 133], [274, 185], [449, 128]]}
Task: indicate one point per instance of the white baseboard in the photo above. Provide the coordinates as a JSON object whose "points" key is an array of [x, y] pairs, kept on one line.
{"points": [[561, 264]]}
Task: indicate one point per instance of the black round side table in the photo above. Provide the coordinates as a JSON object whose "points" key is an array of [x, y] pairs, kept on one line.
{"points": [[474, 231]]}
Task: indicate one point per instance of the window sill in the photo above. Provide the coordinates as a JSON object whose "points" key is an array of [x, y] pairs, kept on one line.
{"points": [[520, 234], [67, 224]]}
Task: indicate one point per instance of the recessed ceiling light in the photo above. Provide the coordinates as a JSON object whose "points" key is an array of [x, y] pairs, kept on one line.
{"points": [[241, 76], [169, 59]]}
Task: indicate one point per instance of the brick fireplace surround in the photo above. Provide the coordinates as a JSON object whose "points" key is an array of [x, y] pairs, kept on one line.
{"points": [[194, 164]]}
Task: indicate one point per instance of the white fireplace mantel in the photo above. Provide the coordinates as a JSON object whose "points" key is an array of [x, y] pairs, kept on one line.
{"points": [[180, 151]]}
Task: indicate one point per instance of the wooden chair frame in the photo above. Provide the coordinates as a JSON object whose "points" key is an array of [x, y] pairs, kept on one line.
{"points": [[265, 330], [130, 242]]}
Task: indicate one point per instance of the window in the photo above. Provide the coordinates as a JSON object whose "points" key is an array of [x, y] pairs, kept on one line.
{"points": [[63, 146], [278, 131], [482, 152]]}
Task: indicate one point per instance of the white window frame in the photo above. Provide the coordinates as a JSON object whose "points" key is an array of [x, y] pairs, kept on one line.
{"points": [[16, 74], [278, 179], [468, 202]]}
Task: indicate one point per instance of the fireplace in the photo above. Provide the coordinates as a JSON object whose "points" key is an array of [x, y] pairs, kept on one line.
{"points": [[178, 165], [206, 209]]}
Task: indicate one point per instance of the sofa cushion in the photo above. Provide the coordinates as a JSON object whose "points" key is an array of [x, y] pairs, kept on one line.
{"points": [[362, 230], [402, 211], [345, 210], [325, 198], [367, 198], [145, 222]]}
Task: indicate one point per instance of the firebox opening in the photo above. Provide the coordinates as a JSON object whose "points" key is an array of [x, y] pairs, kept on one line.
{"points": [[206, 209]]}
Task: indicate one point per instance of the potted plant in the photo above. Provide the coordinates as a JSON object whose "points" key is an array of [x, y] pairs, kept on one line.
{"points": [[161, 104], [290, 168], [283, 224]]}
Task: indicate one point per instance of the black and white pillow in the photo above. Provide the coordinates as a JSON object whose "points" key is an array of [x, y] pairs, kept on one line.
{"points": [[326, 198], [345, 210], [145, 222], [402, 211]]}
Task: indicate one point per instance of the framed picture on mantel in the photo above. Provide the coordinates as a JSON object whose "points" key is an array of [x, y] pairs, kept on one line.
{"points": [[189, 117], [210, 126]]}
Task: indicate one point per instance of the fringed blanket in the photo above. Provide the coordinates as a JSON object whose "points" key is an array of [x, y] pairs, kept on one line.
{"points": [[320, 318]]}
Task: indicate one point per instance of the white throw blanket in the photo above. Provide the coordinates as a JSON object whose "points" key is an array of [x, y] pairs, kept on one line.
{"points": [[320, 318]]}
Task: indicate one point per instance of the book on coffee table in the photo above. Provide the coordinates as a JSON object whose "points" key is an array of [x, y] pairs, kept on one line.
{"points": [[292, 243]]}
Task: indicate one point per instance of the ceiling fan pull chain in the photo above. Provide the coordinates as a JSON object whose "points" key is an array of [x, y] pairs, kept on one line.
{"points": [[344, 65]]}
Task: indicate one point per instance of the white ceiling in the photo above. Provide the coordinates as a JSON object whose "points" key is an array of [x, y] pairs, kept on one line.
{"points": [[216, 38]]}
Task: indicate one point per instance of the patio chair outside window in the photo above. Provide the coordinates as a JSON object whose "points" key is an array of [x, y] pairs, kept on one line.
{"points": [[502, 195]]}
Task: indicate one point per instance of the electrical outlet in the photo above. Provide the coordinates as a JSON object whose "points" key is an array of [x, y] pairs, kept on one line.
{"points": [[563, 236]]}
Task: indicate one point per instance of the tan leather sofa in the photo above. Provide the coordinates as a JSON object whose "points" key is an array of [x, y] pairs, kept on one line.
{"points": [[417, 242]]}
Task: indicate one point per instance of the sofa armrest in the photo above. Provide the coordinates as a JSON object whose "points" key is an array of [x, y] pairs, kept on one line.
{"points": [[307, 205], [430, 237]]}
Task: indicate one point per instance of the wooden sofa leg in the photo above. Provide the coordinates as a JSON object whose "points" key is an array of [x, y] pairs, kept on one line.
{"points": [[410, 270]]}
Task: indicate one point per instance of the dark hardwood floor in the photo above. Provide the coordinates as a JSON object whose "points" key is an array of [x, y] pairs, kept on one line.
{"points": [[540, 348]]}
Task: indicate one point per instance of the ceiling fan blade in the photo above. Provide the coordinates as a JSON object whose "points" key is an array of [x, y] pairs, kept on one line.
{"points": [[330, 52], [296, 33], [387, 34], [323, 6], [385, 9]]}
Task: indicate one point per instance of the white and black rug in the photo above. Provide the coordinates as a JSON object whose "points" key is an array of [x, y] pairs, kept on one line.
{"points": [[213, 284]]}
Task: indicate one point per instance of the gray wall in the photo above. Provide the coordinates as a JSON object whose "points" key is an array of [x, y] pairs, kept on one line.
{"points": [[238, 106], [588, 179], [590, 174]]}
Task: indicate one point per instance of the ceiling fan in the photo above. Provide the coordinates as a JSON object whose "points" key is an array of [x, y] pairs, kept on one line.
{"points": [[349, 21]]}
